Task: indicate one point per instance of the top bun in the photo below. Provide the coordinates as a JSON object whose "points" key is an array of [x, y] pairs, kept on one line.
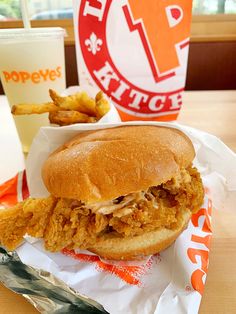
{"points": [[102, 165]]}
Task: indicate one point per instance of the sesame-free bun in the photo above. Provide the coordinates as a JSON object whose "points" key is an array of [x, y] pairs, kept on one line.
{"points": [[102, 165], [137, 247]]}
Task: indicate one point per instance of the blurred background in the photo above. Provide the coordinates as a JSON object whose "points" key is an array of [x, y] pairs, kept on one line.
{"points": [[62, 9], [212, 62]]}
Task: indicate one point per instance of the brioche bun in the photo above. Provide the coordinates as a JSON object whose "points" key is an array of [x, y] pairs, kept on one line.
{"points": [[103, 165]]}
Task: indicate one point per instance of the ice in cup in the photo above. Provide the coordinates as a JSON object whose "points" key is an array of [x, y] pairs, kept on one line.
{"points": [[31, 61]]}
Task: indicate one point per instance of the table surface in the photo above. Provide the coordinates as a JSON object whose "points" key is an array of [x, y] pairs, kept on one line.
{"points": [[214, 112]]}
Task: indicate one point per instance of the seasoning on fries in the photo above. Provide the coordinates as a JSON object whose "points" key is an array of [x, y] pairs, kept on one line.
{"points": [[77, 108]]}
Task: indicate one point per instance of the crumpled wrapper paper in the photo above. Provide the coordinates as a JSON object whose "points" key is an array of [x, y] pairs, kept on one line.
{"points": [[169, 282]]}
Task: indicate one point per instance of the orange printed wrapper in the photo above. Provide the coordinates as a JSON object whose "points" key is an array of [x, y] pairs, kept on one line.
{"points": [[169, 282], [136, 52]]}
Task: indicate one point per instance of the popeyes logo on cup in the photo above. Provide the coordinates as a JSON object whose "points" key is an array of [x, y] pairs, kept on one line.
{"points": [[136, 52], [35, 77]]}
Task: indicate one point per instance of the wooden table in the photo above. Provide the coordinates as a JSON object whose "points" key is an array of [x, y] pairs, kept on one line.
{"points": [[214, 112]]}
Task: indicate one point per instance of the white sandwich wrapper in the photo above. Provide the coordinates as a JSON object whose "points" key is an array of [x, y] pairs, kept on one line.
{"points": [[169, 282]]}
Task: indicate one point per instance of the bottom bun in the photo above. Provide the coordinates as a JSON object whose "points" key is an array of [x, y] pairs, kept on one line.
{"points": [[136, 248]]}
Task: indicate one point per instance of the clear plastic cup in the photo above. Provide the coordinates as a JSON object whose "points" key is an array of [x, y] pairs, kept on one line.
{"points": [[31, 61]]}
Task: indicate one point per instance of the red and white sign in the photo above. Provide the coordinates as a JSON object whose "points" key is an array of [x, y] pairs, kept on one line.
{"points": [[136, 52]]}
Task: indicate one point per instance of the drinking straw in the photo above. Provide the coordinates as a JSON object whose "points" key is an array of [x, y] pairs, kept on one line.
{"points": [[24, 13]]}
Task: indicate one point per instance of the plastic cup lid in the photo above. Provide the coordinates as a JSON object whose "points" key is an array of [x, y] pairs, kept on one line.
{"points": [[25, 33]]}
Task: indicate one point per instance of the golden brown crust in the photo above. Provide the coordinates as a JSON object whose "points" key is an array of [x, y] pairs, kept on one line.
{"points": [[136, 248], [101, 165]]}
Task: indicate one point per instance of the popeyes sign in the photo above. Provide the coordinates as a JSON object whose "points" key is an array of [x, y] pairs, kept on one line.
{"points": [[136, 52]]}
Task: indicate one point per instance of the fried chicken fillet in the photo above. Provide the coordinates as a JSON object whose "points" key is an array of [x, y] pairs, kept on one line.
{"points": [[122, 193]]}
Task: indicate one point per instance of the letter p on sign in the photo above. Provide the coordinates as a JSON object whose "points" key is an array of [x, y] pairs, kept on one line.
{"points": [[165, 26]]}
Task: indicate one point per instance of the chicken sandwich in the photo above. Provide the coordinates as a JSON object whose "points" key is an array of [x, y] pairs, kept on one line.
{"points": [[121, 193]]}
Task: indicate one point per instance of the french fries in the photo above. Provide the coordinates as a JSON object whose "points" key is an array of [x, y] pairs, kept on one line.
{"points": [[79, 102], [102, 105], [77, 108], [63, 118], [33, 108]]}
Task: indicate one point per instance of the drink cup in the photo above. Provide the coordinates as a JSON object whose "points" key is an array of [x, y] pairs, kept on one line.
{"points": [[31, 62]]}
